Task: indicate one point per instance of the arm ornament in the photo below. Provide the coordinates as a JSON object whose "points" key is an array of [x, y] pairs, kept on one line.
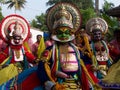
{"points": [[46, 56]]}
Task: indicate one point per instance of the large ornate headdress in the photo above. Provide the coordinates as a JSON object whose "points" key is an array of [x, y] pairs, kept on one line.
{"points": [[97, 24], [63, 14], [14, 25]]}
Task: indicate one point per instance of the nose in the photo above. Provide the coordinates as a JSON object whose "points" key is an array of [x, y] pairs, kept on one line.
{"points": [[17, 40], [63, 34]]}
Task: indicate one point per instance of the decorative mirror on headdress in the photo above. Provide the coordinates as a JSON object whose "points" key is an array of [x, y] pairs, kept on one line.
{"points": [[64, 14], [14, 24], [97, 23]]}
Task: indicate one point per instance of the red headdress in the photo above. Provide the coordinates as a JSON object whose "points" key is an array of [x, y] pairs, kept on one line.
{"points": [[14, 24]]}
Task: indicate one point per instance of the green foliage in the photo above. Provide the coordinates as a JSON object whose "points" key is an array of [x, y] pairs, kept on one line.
{"points": [[87, 11], [111, 21], [17, 4], [2, 1], [40, 22], [81, 4], [86, 15], [107, 6], [1, 16]]}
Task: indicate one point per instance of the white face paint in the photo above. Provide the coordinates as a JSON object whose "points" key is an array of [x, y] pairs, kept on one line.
{"points": [[16, 40]]}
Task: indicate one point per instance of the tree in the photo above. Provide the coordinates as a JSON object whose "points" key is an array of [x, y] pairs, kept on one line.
{"points": [[111, 21], [2, 1], [1, 16], [86, 15], [40, 22], [17, 4], [81, 4], [85, 6]]}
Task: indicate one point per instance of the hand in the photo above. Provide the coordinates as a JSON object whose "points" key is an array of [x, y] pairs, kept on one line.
{"points": [[94, 68], [58, 86], [36, 60]]}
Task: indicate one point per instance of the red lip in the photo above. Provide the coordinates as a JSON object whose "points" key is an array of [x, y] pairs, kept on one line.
{"points": [[63, 38]]}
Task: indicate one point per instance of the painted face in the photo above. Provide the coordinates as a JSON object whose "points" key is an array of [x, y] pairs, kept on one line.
{"points": [[63, 33], [17, 40], [97, 35]]}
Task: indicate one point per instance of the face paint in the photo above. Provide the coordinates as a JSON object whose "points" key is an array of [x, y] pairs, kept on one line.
{"points": [[16, 40], [97, 35], [63, 33]]}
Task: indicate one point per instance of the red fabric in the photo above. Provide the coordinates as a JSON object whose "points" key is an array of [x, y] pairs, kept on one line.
{"points": [[16, 47], [102, 62], [91, 73], [3, 45], [54, 66], [49, 43], [29, 55], [31, 82], [46, 53], [5, 54], [84, 80], [114, 49]]}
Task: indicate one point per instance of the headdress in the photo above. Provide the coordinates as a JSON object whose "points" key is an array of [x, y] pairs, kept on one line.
{"points": [[97, 23], [14, 25], [63, 15]]}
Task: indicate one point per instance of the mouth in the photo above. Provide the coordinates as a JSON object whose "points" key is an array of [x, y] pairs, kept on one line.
{"points": [[63, 39]]}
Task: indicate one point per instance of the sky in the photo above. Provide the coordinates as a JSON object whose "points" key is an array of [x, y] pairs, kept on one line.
{"points": [[32, 9], [36, 7]]}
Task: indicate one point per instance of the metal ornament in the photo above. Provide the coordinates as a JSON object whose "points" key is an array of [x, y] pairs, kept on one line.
{"points": [[70, 12], [97, 23], [9, 22]]}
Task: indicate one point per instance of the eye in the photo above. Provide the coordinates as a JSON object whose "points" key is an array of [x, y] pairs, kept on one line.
{"points": [[67, 32], [59, 32]]}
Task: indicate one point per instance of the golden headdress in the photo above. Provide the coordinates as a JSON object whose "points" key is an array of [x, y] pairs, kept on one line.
{"points": [[63, 14], [97, 23]]}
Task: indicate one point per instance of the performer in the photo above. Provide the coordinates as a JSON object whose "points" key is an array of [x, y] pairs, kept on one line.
{"points": [[15, 58], [114, 46], [101, 60], [36, 44], [111, 80], [61, 66]]}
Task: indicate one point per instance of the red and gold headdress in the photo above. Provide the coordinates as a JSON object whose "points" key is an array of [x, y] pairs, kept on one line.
{"points": [[14, 24]]}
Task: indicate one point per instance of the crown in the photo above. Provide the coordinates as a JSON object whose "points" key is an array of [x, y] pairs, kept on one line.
{"points": [[14, 25], [97, 24], [62, 18], [63, 14]]}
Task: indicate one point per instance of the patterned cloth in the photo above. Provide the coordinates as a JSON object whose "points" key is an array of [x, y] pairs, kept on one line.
{"points": [[112, 79]]}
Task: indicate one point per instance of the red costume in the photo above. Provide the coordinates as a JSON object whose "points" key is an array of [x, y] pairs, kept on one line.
{"points": [[14, 31]]}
